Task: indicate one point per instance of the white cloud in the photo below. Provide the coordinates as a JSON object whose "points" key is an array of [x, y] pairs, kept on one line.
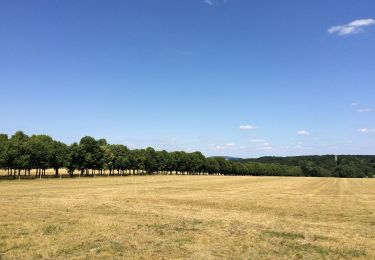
{"points": [[364, 110], [303, 132], [225, 146], [354, 104], [209, 2], [261, 144], [257, 140], [362, 22], [248, 127], [265, 146], [214, 2], [299, 146], [365, 130], [352, 27]]}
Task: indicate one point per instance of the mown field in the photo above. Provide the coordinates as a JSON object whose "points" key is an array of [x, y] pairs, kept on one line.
{"points": [[194, 217]]}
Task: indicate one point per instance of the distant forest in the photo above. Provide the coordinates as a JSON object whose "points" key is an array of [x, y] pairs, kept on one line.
{"points": [[20, 153]]}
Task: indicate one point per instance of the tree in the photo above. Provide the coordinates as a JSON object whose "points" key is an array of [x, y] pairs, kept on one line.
{"points": [[58, 156], [91, 153], [163, 160], [120, 160], [4, 142], [346, 171], [74, 159], [103, 145], [225, 167], [109, 158], [198, 162], [18, 154], [173, 162], [41, 153], [212, 166], [150, 162]]}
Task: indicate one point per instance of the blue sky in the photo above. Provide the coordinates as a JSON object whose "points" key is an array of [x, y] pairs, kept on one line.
{"points": [[235, 77]]}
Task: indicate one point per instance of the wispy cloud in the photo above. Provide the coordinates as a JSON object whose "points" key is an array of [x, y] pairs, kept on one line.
{"points": [[209, 2], [353, 27], [261, 144], [227, 146], [248, 127], [364, 110], [257, 140], [300, 146], [265, 146], [360, 110], [214, 2], [303, 132], [365, 130]]}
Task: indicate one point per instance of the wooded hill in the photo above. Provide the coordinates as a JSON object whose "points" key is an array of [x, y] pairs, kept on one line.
{"points": [[325, 165], [20, 153]]}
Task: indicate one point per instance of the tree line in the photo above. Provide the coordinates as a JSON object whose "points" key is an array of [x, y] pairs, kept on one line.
{"points": [[348, 166], [20, 154]]}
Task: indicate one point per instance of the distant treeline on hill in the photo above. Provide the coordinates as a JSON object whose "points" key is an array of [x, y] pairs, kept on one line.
{"points": [[347, 166], [21, 153]]}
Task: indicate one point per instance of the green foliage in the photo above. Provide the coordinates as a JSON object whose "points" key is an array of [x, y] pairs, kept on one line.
{"points": [[21, 152], [73, 158]]}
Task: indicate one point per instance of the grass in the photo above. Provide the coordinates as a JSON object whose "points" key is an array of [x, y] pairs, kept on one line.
{"points": [[196, 217]]}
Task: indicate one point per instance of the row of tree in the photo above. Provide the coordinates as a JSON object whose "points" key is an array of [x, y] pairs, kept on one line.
{"points": [[20, 154]]}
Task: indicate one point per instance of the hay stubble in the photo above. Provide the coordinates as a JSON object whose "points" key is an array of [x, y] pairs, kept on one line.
{"points": [[188, 217]]}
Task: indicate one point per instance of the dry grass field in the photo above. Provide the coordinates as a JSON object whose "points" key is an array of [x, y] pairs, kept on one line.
{"points": [[194, 217]]}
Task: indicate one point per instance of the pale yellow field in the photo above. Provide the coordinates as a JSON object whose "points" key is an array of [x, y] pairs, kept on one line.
{"points": [[195, 217]]}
